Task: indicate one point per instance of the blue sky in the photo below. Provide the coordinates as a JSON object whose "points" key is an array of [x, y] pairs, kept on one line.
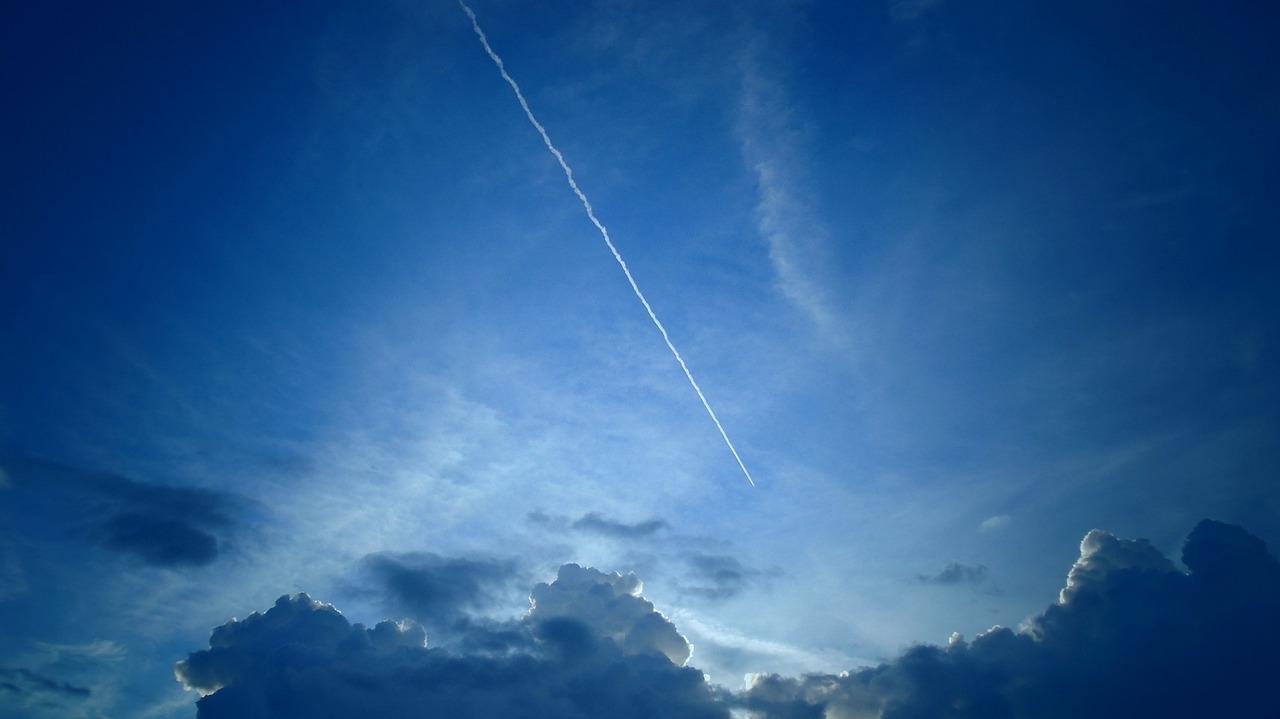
{"points": [[296, 300]]}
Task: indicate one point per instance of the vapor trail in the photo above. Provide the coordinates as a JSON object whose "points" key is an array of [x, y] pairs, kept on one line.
{"points": [[591, 213]]}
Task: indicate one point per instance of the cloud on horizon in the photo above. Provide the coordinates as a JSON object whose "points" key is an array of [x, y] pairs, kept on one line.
{"points": [[1131, 635], [590, 646]]}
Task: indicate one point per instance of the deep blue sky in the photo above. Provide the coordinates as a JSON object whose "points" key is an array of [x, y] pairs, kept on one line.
{"points": [[295, 300]]}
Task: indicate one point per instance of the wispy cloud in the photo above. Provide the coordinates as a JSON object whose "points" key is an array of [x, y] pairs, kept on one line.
{"points": [[770, 134], [995, 524]]}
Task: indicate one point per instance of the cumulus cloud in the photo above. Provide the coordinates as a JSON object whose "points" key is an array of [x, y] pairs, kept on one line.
{"points": [[1130, 636], [611, 606], [1102, 554], [589, 647], [158, 524]]}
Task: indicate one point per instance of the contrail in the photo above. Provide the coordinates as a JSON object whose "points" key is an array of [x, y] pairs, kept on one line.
{"points": [[591, 213]]}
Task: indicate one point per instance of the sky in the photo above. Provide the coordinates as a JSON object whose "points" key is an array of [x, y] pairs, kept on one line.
{"points": [[320, 391]]}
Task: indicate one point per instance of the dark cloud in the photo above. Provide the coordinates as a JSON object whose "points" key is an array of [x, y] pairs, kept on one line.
{"points": [[599, 524], [27, 693], [1130, 636], [611, 605], [158, 524], [718, 576], [589, 647], [159, 540], [552, 522], [956, 573], [27, 682], [437, 591]]}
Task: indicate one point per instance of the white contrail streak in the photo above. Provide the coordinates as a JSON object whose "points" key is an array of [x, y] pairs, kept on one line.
{"points": [[591, 213]]}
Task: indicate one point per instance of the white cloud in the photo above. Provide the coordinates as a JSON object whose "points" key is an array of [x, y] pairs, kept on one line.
{"points": [[786, 216], [995, 524]]}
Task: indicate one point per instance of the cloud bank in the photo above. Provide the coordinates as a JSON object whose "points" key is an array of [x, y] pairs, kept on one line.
{"points": [[1131, 635], [590, 646]]}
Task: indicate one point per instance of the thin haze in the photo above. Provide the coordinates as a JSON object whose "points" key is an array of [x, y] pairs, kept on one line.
{"points": [[586, 204]]}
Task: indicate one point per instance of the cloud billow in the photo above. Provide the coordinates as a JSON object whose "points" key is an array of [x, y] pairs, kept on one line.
{"points": [[1131, 635], [589, 647]]}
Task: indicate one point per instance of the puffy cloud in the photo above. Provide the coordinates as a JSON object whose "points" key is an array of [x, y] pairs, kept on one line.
{"points": [[1102, 553], [590, 646], [158, 524], [611, 606], [1130, 636], [242, 652]]}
